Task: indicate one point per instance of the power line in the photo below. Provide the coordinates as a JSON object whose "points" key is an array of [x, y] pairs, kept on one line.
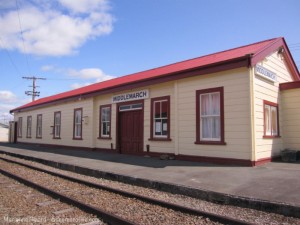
{"points": [[21, 31], [33, 93], [9, 56]]}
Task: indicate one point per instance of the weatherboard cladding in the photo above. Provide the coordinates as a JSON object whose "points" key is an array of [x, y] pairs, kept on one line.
{"points": [[252, 53]]}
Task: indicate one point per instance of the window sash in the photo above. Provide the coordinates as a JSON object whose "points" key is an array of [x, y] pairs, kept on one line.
{"points": [[78, 124], [271, 120], [57, 124], [210, 116], [20, 127], [160, 118], [105, 121], [39, 126], [29, 123]]}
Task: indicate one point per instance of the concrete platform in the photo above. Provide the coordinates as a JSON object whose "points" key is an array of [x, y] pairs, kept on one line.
{"points": [[271, 187]]}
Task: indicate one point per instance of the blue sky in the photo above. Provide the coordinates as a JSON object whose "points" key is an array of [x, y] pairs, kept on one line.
{"points": [[75, 43]]}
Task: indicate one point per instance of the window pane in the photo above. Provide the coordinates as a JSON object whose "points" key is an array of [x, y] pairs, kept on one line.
{"points": [[204, 104], [215, 103], [137, 106], [216, 128], [165, 127], [205, 128], [157, 127], [78, 116], [267, 120], [157, 110], [164, 109], [274, 121]]}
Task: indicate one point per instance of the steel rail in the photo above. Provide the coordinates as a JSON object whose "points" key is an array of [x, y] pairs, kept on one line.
{"points": [[105, 216], [183, 209]]}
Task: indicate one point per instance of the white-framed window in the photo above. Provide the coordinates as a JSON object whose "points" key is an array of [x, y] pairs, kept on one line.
{"points": [[29, 125], [57, 125], [20, 119], [39, 126], [160, 116], [77, 123], [210, 116], [271, 128], [105, 121]]}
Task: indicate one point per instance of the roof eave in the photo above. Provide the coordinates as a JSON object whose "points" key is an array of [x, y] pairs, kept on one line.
{"points": [[278, 43], [243, 61]]}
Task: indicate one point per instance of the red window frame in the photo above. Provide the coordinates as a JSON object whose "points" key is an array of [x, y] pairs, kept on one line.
{"points": [[20, 121], [152, 136], [29, 127], [79, 137], [198, 114], [100, 122], [37, 125], [54, 124], [275, 105]]}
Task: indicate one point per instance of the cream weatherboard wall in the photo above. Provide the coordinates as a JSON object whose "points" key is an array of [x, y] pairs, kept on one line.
{"points": [[269, 91], [290, 101], [67, 117], [236, 85]]}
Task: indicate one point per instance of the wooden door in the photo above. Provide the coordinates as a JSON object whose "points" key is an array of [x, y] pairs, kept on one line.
{"points": [[131, 131]]}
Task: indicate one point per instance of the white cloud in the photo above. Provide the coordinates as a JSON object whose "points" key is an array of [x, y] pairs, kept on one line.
{"points": [[78, 85], [7, 96], [88, 73], [47, 68], [85, 6], [54, 28]]}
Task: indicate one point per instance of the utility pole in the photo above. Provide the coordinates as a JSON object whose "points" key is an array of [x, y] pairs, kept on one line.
{"points": [[33, 93]]}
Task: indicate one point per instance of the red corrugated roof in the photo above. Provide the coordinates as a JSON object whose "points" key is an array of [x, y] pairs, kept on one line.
{"points": [[159, 72]]}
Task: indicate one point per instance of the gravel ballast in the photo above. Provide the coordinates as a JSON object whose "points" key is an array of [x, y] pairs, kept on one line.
{"points": [[248, 215], [20, 204]]}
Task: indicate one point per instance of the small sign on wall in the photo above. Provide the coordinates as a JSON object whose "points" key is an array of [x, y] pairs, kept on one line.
{"points": [[130, 96], [265, 73]]}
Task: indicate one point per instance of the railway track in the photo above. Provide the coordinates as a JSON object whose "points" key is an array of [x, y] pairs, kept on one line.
{"points": [[111, 205], [21, 204]]}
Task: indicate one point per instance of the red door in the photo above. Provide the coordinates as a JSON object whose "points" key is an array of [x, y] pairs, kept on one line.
{"points": [[131, 131]]}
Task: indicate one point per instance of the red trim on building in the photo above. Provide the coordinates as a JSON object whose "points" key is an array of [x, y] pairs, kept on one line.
{"points": [[276, 45], [152, 138], [54, 137], [289, 85], [74, 117], [198, 130], [117, 119], [278, 131], [37, 119], [100, 119]]}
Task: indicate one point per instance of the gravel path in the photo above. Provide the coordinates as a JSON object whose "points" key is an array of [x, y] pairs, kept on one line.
{"points": [[248, 215], [20, 204]]}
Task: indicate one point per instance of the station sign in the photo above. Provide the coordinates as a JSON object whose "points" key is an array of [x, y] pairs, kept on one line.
{"points": [[137, 95], [265, 73]]}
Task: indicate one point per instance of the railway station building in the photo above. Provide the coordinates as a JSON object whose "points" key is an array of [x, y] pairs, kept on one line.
{"points": [[239, 106]]}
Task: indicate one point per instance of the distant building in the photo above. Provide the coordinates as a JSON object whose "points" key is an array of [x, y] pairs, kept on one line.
{"points": [[4, 132], [239, 106]]}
